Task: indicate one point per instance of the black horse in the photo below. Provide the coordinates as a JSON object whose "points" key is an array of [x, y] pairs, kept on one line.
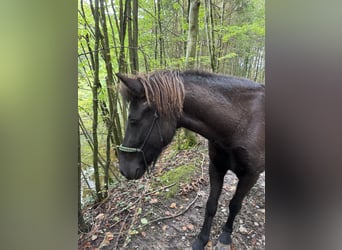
{"points": [[228, 111]]}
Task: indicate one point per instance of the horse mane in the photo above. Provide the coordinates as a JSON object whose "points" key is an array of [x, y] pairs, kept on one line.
{"points": [[164, 90]]}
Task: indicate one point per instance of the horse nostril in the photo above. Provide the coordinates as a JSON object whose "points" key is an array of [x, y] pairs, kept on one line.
{"points": [[137, 173]]}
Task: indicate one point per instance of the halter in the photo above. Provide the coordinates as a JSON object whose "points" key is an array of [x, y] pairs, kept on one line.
{"points": [[140, 149]]}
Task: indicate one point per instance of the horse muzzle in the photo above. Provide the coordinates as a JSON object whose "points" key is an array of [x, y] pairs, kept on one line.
{"points": [[131, 172]]}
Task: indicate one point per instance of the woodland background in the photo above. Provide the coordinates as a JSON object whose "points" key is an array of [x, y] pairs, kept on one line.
{"points": [[142, 36]]}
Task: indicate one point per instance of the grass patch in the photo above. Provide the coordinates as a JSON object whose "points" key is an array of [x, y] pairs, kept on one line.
{"points": [[181, 174]]}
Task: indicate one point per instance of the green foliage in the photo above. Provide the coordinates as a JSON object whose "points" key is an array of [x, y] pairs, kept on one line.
{"points": [[184, 140], [188, 141], [228, 56]]}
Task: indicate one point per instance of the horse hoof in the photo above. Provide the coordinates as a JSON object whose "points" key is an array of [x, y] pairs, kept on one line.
{"points": [[221, 246], [197, 245], [225, 238]]}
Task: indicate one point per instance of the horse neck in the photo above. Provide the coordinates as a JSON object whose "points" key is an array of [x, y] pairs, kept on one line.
{"points": [[202, 112]]}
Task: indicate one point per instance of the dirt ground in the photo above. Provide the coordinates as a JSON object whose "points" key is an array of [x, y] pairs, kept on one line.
{"points": [[137, 216]]}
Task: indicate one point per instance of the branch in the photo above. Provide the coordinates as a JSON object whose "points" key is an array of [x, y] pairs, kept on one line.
{"points": [[136, 211], [112, 47], [171, 216]]}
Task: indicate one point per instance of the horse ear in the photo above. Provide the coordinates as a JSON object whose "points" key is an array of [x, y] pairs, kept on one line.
{"points": [[133, 85]]}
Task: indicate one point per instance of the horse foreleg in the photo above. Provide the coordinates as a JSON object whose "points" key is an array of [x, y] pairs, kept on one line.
{"points": [[216, 182], [246, 182]]}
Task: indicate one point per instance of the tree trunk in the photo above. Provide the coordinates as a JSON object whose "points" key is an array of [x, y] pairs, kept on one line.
{"points": [[122, 35], [135, 62], [192, 34], [95, 88], [209, 26], [190, 137], [160, 37], [82, 226], [112, 96], [108, 161]]}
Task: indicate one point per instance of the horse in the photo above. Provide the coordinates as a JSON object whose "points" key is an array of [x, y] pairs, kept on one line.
{"points": [[228, 111]]}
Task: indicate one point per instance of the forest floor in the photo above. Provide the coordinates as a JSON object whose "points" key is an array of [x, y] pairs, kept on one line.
{"points": [[141, 215]]}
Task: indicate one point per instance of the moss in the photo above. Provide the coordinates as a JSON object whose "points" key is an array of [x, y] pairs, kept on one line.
{"points": [[181, 174]]}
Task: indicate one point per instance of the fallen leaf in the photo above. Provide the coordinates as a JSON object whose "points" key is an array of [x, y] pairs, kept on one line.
{"points": [[104, 243], [167, 213], [144, 221], [164, 227], [133, 232], [139, 210], [173, 205], [154, 200], [99, 216], [109, 236], [143, 234], [94, 237], [88, 244]]}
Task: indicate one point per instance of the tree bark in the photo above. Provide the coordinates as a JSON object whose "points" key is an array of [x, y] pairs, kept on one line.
{"points": [[192, 34], [122, 35], [135, 62], [112, 96], [191, 53], [133, 36], [95, 89], [160, 37], [209, 25], [82, 226]]}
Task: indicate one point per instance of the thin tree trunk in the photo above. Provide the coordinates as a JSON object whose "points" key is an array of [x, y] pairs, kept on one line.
{"points": [[91, 145], [191, 53], [82, 226], [113, 32], [135, 37], [209, 25], [258, 61], [220, 44], [95, 88], [155, 32], [112, 99], [130, 37], [108, 161], [192, 34], [122, 35], [160, 37], [246, 63]]}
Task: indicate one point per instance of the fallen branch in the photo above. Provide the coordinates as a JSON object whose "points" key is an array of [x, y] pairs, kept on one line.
{"points": [[136, 212], [126, 207], [202, 164], [138, 199], [122, 226], [165, 187], [171, 216]]}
